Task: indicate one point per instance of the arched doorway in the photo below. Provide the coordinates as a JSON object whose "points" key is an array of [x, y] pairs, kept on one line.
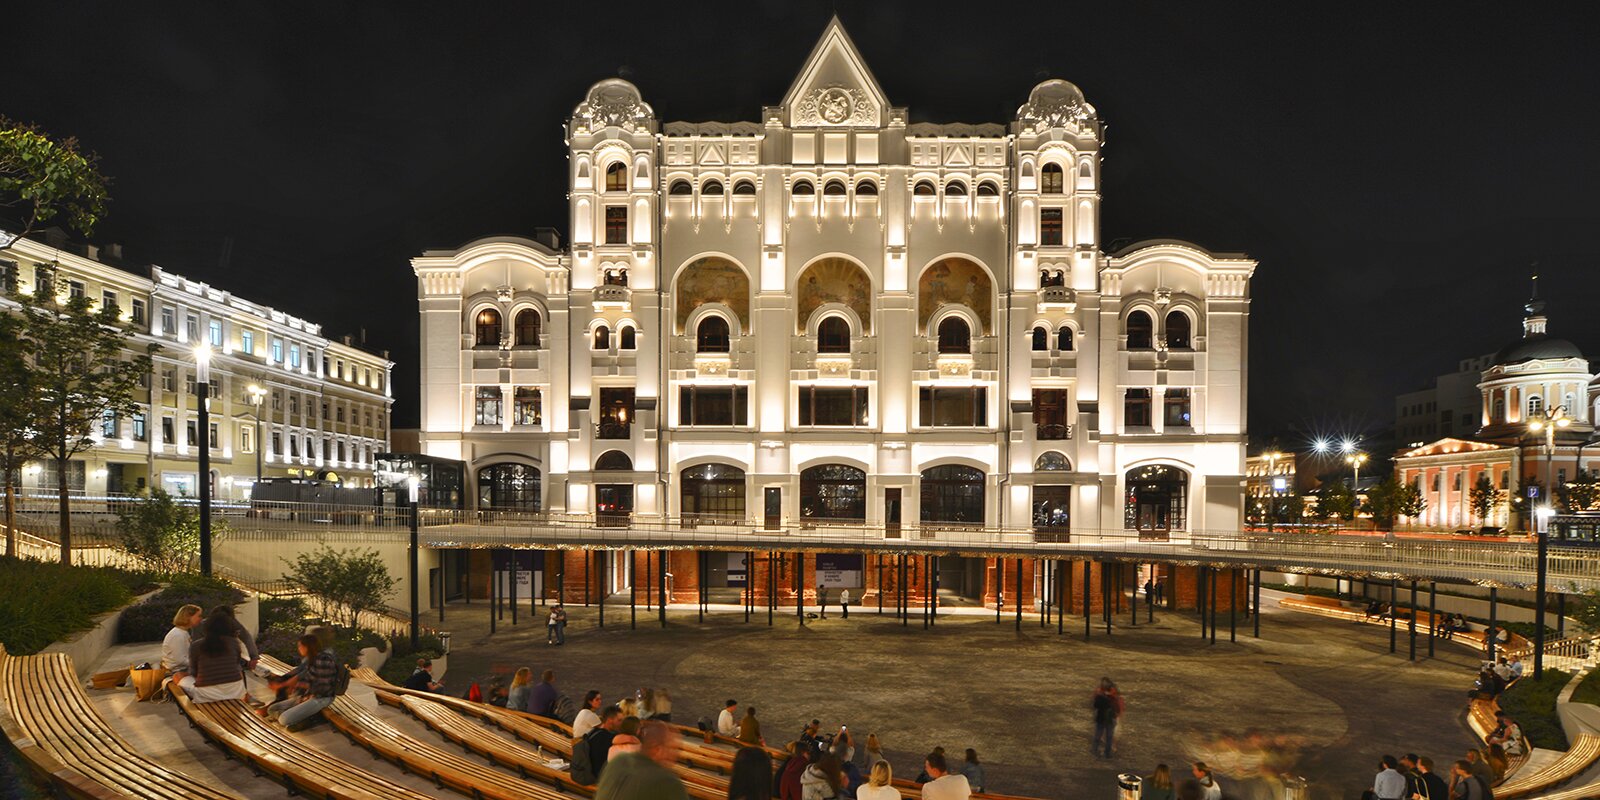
{"points": [[1156, 500], [1052, 498], [510, 487], [613, 502], [711, 494], [952, 494], [833, 494]]}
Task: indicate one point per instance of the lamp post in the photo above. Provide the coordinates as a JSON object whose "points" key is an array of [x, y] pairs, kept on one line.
{"points": [[416, 613], [257, 396], [1272, 487], [1355, 460], [1547, 424], [202, 363]]}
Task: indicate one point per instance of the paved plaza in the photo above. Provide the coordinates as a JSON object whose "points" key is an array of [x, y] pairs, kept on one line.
{"points": [[1021, 699]]}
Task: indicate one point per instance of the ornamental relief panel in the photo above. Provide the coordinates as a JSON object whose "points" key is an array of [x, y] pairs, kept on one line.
{"points": [[835, 105]]}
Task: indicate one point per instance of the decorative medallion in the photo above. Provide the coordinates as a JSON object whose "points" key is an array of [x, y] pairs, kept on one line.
{"points": [[835, 105]]}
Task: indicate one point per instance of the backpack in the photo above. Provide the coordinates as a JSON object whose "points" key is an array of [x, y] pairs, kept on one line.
{"points": [[582, 765], [564, 710], [341, 680]]}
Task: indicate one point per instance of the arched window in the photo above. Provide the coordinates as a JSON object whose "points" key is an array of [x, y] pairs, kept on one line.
{"points": [[1064, 339], [1157, 499], [867, 189], [804, 188], [834, 188], [955, 189], [744, 187], [509, 487], [488, 328], [527, 323], [1499, 412], [1140, 331], [1051, 179], [952, 494], [613, 460], [627, 338], [924, 189], [1041, 339], [712, 493], [833, 335], [988, 189], [833, 493], [1535, 405], [602, 338], [955, 336], [1052, 461], [617, 177], [713, 187], [711, 336], [681, 187], [1178, 330]]}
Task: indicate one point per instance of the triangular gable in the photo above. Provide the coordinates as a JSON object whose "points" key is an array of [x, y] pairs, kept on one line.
{"points": [[1449, 445], [959, 156], [711, 155], [835, 88]]}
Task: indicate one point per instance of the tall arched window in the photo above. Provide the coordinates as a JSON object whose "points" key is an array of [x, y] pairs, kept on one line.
{"points": [[712, 493], [955, 336], [1157, 499], [833, 335], [952, 494], [602, 338], [1140, 331], [488, 328], [955, 189], [1178, 331], [1041, 339], [833, 493], [627, 338], [612, 461], [527, 323], [988, 189], [617, 177], [1535, 405], [1051, 180], [1052, 461], [804, 188], [509, 487], [866, 189], [711, 336], [1064, 339]]}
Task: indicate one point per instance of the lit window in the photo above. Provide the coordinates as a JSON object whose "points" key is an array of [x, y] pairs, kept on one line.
{"points": [[528, 409], [487, 406], [1177, 408], [1050, 226], [712, 335], [1051, 179], [214, 332], [294, 356], [247, 342], [277, 350], [488, 330], [617, 177], [713, 405], [953, 406], [616, 224], [842, 406]]}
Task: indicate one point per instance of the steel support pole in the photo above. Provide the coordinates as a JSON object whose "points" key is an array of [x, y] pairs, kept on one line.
{"points": [[800, 587], [999, 588], [1394, 614], [1133, 599], [1213, 603], [600, 568], [933, 590], [1494, 621], [661, 587], [1255, 610], [633, 591], [493, 593], [1411, 626], [1018, 600], [1107, 598], [203, 431], [1433, 615], [1540, 586], [511, 587], [700, 586], [441, 588], [1233, 605], [416, 611], [587, 557], [1561, 614], [1063, 571], [1087, 579], [880, 584], [749, 584], [1200, 599]]}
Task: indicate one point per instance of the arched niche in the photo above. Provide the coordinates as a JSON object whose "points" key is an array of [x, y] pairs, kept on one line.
{"points": [[834, 280], [712, 279], [958, 281]]}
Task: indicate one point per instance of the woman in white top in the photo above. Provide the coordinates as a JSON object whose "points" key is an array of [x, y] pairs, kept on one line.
{"points": [[175, 647], [879, 784]]}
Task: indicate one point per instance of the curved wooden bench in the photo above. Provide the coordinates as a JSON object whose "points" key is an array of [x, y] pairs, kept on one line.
{"points": [[1579, 757], [59, 734]]}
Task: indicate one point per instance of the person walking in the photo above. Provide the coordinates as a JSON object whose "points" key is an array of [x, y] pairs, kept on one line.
{"points": [[749, 728], [1159, 785], [647, 774], [1107, 705], [844, 604]]}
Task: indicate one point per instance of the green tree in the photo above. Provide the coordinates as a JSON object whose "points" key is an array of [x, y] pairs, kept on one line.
{"points": [[1383, 503], [19, 414], [1483, 499], [1337, 501], [84, 367], [345, 582], [1409, 501], [45, 180], [163, 532]]}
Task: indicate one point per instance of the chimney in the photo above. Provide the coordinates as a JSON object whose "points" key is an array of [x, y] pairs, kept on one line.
{"points": [[91, 252], [114, 251]]}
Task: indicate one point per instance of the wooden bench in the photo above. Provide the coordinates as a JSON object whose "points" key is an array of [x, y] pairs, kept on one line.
{"points": [[1331, 607], [1579, 757], [59, 734]]}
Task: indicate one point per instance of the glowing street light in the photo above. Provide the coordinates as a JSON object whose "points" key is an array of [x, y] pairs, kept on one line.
{"points": [[202, 383], [1546, 424], [1355, 459]]}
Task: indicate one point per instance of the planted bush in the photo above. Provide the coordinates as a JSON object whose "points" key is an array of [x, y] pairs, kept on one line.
{"points": [[43, 602], [149, 621]]}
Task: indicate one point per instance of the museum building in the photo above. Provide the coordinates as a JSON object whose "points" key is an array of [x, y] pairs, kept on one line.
{"points": [[832, 316]]}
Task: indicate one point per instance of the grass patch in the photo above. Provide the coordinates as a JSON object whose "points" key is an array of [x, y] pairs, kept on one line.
{"points": [[43, 602], [1588, 690], [1533, 705]]}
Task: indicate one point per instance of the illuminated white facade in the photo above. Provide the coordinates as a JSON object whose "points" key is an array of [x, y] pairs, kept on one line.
{"points": [[834, 315]]}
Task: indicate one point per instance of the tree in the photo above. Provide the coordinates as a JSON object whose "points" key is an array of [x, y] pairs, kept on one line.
{"points": [[43, 178], [1390, 500], [1337, 501], [1587, 611], [19, 414], [1483, 499], [84, 367], [345, 582], [1410, 502], [162, 532]]}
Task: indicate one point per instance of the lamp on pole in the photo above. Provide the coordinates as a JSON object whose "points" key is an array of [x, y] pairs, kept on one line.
{"points": [[1355, 459], [257, 396], [413, 483], [1272, 487], [202, 363], [1546, 424]]}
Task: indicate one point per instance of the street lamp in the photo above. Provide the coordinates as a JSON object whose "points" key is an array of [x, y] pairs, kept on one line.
{"points": [[1547, 424], [257, 396], [413, 484], [1355, 459], [1272, 486], [202, 362]]}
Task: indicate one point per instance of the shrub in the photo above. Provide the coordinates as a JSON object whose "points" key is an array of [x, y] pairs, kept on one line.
{"points": [[44, 601], [149, 621], [286, 610], [344, 582], [281, 641], [1533, 705]]}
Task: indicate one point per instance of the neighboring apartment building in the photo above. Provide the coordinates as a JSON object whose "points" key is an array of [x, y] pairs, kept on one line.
{"points": [[319, 408], [835, 316], [1449, 406]]}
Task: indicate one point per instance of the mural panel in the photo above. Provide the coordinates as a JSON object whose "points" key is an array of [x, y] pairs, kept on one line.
{"points": [[959, 281], [834, 280], [713, 280]]}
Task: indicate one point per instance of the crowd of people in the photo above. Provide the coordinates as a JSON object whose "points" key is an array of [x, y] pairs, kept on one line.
{"points": [[1495, 676], [1413, 777]]}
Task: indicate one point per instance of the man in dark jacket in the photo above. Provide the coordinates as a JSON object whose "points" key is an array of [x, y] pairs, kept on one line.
{"points": [[1429, 785], [543, 701]]}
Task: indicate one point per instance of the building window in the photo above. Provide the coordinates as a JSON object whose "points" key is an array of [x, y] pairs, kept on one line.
{"points": [[988, 189], [191, 328], [529, 408], [486, 406], [1157, 499], [527, 322], [602, 338], [839, 406], [1177, 404], [169, 326], [1050, 226], [247, 439], [214, 332], [617, 177], [955, 189], [75, 290], [138, 309], [806, 188], [712, 187], [1052, 508], [1040, 341], [924, 189], [866, 189], [1136, 408], [616, 224], [108, 424], [77, 473], [833, 493], [1178, 330], [277, 350], [744, 187], [1051, 179], [1535, 406], [1065, 339], [189, 384], [711, 335], [1050, 415], [169, 380], [247, 342], [140, 433], [294, 404], [952, 494], [834, 188], [213, 441], [1052, 461], [167, 434], [955, 336], [277, 444], [488, 330], [627, 338], [713, 405], [191, 432], [1141, 335], [614, 277], [338, 410], [43, 286], [108, 302], [712, 493], [616, 413], [680, 188], [509, 487], [833, 335], [8, 275], [953, 406], [1499, 412], [294, 356]]}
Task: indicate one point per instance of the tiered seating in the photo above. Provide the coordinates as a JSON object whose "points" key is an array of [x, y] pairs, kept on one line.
{"points": [[49, 720], [1332, 607], [1579, 758]]}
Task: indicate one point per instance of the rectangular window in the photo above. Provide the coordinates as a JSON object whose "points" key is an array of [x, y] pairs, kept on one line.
{"points": [[294, 356], [714, 405], [75, 290], [77, 473], [1050, 414], [366, 376], [839, 406], [167, 435], [324, 411], [324, 366], [338, 411], [327, 449], [1050, 226], [529, 408], [138, 311], [1136, 408], [277, 400], [108, 301], [215, 332], [108, 424], [616, 413], [277, 350], [8, 276], [247, 342], [616, 224], [168, 380], [277, 443], [212, 438], [1177, 408], [139, 432], [340, 369], [191, 328], [537, 415], [169, 324], [486, 407], [191, 430], [294, 447], [294, 404], [954, 406], [188, 384], [247, 439]]}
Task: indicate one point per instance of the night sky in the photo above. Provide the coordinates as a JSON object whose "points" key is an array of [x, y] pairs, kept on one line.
{"points": [[1396, 168]]}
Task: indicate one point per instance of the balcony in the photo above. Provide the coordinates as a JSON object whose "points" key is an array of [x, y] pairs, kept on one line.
{"points": [[612, 296], [1048, 432], [1058, 297], [612, 429]]}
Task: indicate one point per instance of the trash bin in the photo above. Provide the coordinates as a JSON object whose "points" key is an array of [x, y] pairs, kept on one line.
{"points": [[1129, 786]]}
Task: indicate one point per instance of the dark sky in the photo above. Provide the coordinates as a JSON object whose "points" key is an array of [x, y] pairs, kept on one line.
{"points": [[1394, 166]]}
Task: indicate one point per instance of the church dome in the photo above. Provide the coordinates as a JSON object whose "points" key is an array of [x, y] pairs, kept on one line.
{"points": [[1535, 346]]}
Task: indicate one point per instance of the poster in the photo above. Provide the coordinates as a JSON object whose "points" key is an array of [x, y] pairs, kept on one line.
{"points": [[737, 570], [840, 570]]}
